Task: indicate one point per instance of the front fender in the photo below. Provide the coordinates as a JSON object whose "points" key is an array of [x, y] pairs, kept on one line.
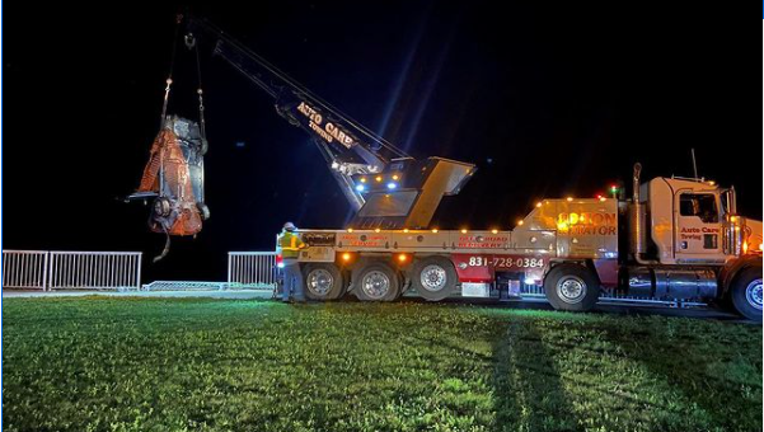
{"points": [[733, 267]]}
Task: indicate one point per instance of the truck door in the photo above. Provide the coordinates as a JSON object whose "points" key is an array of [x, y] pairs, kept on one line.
{"points": [[698, 226]]}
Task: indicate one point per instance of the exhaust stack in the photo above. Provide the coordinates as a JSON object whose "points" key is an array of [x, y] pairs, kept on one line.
{"points": [[636, 218]]}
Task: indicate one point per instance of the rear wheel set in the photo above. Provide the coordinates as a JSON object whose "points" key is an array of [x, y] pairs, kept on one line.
{"points": [[372, 281], [434, 278]]}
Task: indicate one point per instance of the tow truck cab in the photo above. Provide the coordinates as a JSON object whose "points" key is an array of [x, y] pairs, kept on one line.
{"points": [[686, 241], [691, 222]]}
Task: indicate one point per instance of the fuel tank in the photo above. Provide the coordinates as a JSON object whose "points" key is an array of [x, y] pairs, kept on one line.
{"points": [[671, 283]]}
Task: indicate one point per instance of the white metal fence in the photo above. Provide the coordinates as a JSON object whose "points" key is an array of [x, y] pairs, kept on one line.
{"points": [[95, 270], [61, 270], [252, 270], [25, 269]]}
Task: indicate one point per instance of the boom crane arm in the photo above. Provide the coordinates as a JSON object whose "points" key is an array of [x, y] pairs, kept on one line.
{"points": [[348, 147], [386, 187]]}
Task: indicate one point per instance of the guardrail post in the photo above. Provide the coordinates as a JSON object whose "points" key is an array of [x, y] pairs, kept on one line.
{"points": [[140, 265], [45, 272], [229, 267]]}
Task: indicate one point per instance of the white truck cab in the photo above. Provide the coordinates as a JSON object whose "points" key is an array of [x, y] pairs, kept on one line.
{"points": [[695, 222]]}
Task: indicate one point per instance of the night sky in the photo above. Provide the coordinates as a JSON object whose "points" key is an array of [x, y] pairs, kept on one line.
{"points": [[547, 100]]}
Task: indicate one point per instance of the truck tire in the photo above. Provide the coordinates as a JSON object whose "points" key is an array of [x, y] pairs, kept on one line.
{"points": [[376, 281], [323, 281], [571, 287], [434, 278], [746, 293]]}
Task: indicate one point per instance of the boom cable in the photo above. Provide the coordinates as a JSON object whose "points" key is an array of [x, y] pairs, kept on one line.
{"points": [[168, 81]]}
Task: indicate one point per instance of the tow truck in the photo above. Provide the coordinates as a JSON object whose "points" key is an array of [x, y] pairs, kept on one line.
{"points": [[676, 239]]}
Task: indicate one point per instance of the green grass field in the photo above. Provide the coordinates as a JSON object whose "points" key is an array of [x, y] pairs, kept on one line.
{"points": [[118, 364]]}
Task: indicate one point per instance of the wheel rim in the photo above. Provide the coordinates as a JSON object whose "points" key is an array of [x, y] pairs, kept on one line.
{"points": [[433, 278], [753, 294], [375, 284], [571, 289], [161, 207], [320, 282]]}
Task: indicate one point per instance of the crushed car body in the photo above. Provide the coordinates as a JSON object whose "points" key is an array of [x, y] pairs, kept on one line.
{"points": [[174, 176]]}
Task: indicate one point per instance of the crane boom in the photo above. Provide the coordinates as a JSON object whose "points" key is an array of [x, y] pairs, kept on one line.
{"points": [[385, 186]]}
